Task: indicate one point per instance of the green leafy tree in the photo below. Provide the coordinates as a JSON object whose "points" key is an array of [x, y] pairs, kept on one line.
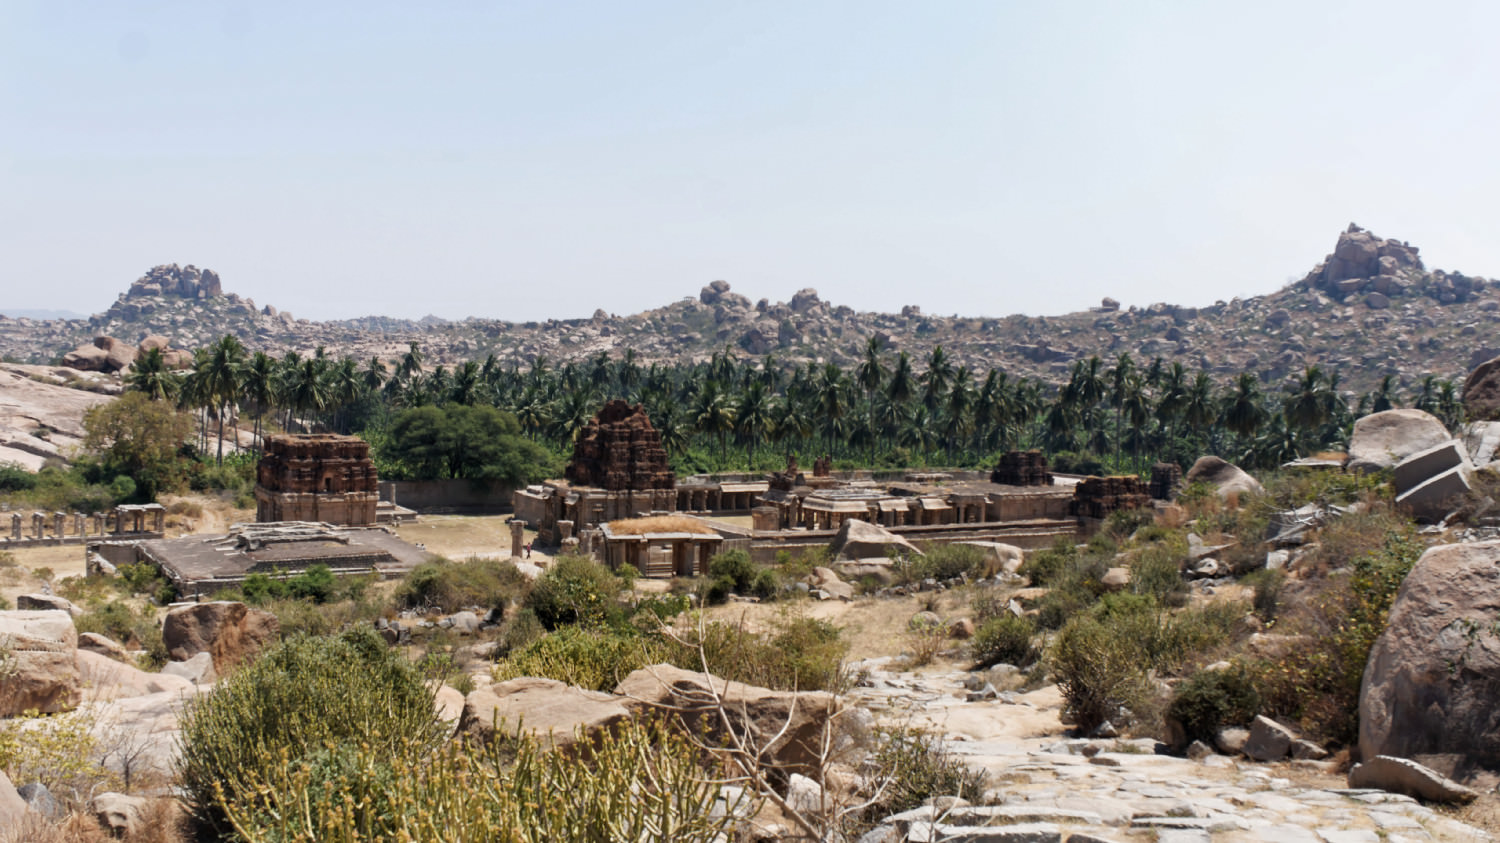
{"points": [[474, 443], [138, 438]]}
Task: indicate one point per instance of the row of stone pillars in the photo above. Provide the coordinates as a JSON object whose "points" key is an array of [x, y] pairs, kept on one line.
{"points": [[127, 519]]}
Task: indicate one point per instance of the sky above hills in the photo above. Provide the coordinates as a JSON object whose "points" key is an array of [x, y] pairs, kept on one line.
{"points": [[533, 160]]}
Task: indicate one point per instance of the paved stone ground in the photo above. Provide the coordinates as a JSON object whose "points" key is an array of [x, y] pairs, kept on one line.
{"points": [[1046, 788]]}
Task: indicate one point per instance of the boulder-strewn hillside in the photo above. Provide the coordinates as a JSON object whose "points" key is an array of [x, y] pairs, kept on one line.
{"points": [[1368, 309]]}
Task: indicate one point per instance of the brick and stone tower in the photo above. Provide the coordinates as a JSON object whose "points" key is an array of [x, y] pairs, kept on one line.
{"points": [[620, 451], [316, 477]]}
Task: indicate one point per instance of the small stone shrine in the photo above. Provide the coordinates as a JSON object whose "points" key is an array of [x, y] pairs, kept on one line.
{"points": [[316, 477], [1097, 497], [620, 451], [1166, 480], [1022, 468]]}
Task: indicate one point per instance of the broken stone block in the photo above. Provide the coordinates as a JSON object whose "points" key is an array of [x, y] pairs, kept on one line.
{"points": [[1438, 496], [1426, 464], [1268, 740], [1402, 775]]}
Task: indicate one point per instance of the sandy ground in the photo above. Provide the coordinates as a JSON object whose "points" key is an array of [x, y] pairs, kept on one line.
{"points": [[458, 537]]}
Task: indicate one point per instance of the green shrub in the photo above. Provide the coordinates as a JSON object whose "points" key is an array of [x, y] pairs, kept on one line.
{"points": [[1211, 699], [598, 659], [576, 590], [316, 584], [1098, 671], [910, 768], [1005, 639], [1156, 570], [799, 653], [1046, 566], [445, 586], [1267, 583], [641, 782], [1317, 683], [300, 697]]}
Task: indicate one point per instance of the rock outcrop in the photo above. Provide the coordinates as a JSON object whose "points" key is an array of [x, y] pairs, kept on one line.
{"points": [[44, 667], [229, 631], [858, 539], [104, 354], [553, 712], [1402, 775], [1381, 440], [1225, 478], [1429, 688], [1482, 391], [787, 727], [173, 280]]}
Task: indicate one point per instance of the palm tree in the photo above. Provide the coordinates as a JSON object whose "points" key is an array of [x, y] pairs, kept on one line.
{"points": [[869, 375], [375, 372], [1311, 401], [1384, 397], [831, 404], [258, 388], [713, 413], [1244, 409], [755, 419], [307, 392], [1120, 378], [467, 384], [222, 380], [935, 379], [345, 388], [149, 374]]}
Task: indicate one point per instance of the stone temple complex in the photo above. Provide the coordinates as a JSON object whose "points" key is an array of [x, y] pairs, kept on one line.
{"points": [[316, 477]]}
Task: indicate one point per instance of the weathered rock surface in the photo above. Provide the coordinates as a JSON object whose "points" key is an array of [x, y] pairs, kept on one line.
{"points": [[1401, 775], [999, 557], [47, 602], [44, 674], [140, 734], [40, 419], [758, 713], [1269, 740], [1224, 477], [105, 679], [862, 540], [1381, 440], [230, 632], [1429, 688], [1481, 393], [93, 642], [199, 669], [118, 813], [551, 711], [13, 808]]}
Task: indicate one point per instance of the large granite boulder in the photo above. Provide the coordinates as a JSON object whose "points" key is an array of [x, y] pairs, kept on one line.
{"points": [[106, 679], [229, 631], [13, 808], [86, 358], [42, 647], [1402, 775], [93, 642], [553, 712], [787, 728], [862, 540], [1482, 391], [140, 736], [1381, 440], [1225, 478], [1434, 674]]}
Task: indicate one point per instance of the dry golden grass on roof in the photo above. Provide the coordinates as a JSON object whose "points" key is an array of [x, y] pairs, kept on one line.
{"points": [[659, 524]]}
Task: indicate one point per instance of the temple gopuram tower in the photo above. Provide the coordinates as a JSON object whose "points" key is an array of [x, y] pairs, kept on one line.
{"points": [[316, 477], [619, 451]]}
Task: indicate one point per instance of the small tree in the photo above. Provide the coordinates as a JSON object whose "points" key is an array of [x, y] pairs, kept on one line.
{"points": [[139, 438]]}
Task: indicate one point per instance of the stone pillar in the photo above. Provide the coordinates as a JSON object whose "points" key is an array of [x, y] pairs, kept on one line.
{"points": [[59, 523], [38, 525], [159, 520], [78, 523], [564, 531], [119, 521], [517, 538], [98, 523], [15, 526]]}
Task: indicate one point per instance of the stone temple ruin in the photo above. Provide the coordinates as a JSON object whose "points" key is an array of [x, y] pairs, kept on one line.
{"points": [[619, 475], [620, 451], [316, 477]]}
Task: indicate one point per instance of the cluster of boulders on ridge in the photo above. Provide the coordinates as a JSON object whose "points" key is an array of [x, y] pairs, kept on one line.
{"points": [[107, 354], [1368, 309]]}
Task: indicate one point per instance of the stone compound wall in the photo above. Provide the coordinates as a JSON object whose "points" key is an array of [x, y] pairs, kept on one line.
{"points": [[316, 477]]}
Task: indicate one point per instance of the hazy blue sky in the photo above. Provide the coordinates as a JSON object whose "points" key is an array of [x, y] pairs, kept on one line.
{"points": [[526, 160]]}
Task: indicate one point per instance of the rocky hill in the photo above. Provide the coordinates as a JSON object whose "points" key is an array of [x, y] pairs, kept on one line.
{"points": [[1368, 309]]}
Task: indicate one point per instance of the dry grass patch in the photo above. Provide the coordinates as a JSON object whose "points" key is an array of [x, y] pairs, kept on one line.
{"points": [[659, 524]]}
